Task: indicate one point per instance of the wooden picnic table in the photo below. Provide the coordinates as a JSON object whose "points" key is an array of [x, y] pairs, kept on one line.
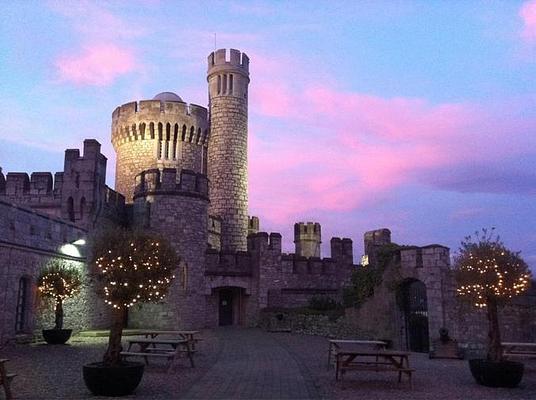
{"points": [[335, 345], [149, 348], [189, 335], [518, 349], [5, 379], [378, 361]]}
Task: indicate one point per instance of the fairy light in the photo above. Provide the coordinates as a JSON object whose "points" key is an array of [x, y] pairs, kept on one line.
{"points": [[59, 282], [488, 270], [139, 272]]}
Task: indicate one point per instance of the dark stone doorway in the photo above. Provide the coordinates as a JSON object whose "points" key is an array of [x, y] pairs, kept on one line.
{"points": [[415, 307], [226, 307]]}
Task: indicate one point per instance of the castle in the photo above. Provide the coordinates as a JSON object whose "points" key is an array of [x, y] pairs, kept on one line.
{"points": [[182, 172]]}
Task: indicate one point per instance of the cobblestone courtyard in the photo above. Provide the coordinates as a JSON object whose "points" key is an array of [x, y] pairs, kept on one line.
{"points": [[248, 364]]}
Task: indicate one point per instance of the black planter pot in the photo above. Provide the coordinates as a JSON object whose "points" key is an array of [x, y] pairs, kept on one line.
{"points": [[497, 374], [57, 336], [113, 381]]}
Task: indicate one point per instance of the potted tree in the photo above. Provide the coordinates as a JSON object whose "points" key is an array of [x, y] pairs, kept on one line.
{"points": [[57, 281], [128, 267], [489, 275]]}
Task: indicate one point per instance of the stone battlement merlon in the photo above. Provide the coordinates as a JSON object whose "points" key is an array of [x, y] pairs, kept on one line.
{"points": [[37, 184], [156, 119], [151, 107], [238, 62], [171, 181]]}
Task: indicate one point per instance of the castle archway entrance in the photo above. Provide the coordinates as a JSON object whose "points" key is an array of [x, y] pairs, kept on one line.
{"points": [[415, 309], [230, 305]]}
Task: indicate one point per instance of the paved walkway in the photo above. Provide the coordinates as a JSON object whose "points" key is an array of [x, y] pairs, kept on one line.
{"points": [[252, 365]]}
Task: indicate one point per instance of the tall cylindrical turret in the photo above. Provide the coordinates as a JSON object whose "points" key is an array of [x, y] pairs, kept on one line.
{"points": [[227, 151]]}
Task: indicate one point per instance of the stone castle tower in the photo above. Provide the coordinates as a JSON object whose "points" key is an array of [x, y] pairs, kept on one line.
{"points": [[228, 82], [164, 132]]}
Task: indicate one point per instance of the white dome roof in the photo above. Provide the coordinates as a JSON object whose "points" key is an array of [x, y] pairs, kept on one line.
{"points": [[167, 96]]}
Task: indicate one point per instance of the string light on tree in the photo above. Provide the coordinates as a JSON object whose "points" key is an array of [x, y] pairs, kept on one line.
{"points": [[489, 275]]}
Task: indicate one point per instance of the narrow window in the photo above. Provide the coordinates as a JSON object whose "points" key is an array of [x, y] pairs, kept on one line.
{"points": [[224, 88], [82, 207], [192, 131], [184, 276], [219, 84], [168, 138], [22, 305], [159, 155], [184, 133], [77, 180], [134, 132], [198, 138], [204, 161], [151, 130], [175, 136], [70, 209], [231, 84], [142, 131]]}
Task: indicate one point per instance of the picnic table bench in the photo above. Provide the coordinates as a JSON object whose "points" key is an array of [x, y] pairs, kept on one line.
{"points": [[335, 345], [5, 379], [515, 349], [149, 348], [189, 335], [377, 361]]}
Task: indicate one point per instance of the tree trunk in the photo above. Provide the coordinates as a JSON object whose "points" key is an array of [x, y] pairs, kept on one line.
{"points": [[113, 353], [59, 314], [494, 333]]}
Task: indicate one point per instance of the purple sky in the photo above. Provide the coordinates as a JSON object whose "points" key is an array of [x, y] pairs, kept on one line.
{"points": [[416, 116]]}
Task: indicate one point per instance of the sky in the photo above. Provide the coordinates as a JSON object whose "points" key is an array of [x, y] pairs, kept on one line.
{"points": [[417, 116]]}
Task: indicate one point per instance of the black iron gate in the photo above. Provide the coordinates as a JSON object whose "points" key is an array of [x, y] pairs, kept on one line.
{"points": [[416, 316]]}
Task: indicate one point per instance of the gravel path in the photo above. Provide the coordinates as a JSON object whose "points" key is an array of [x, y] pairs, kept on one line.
{"points": [[249, 364]]}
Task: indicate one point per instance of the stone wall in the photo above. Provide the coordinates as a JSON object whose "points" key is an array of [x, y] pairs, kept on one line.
{"points": [[28, 240]]}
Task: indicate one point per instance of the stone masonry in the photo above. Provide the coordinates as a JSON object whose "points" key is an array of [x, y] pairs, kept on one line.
{"points": [[227, 168]]}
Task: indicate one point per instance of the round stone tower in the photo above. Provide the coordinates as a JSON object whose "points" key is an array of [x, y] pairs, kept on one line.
{"points": [[164, 132], [228, 81]]}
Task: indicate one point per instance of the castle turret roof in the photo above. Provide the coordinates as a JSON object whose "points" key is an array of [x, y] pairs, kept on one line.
{"points": [[167, 96]]}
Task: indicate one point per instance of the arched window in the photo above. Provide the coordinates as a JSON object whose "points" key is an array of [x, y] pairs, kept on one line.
{"points": [[219, 84], [134, 132], [159, 144], [192, 132], [151, 130], [21, 314], [168, 138], [184, 133], [224, 85], [142, 130], [175, 137], [198, 138], [70, 208]]}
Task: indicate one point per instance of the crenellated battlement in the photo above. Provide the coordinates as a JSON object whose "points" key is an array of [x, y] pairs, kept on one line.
{"points": [[171, 181], [237, 61], [160, 120], [39, 183]]}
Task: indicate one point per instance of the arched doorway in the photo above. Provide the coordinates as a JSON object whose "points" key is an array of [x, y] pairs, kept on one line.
{"points": [[415, 308]]}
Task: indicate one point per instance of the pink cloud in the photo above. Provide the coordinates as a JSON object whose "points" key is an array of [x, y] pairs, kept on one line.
{"points": [[97, 65], [528, 14], [339, 151]]}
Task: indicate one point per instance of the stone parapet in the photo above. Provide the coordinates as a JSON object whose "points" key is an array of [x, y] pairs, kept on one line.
{"points": [[170, 181]]}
